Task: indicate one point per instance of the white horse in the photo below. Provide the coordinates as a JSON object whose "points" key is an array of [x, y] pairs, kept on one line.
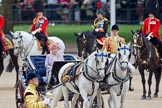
{"points": [[26, 44], [90, 69], [117, 77]]}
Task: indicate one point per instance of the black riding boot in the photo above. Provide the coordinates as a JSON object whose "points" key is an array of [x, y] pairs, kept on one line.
{"points": [[158, 45]]}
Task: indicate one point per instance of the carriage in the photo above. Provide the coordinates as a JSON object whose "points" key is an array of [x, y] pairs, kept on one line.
{"points": [[36, 63]]}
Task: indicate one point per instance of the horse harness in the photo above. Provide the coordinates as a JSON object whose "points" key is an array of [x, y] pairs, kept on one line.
{"points": [[27, 49], [114, 75]]}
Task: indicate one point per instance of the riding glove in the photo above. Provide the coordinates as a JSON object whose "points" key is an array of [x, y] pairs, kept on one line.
{"points": [[46, 101], [96, 29], [149, 37]]}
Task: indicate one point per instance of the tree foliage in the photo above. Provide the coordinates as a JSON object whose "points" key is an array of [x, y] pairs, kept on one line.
{"points": [[7, 12]]}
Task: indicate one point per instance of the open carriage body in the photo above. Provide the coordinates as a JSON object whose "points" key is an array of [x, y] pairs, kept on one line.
{"points": [[36, 63]]}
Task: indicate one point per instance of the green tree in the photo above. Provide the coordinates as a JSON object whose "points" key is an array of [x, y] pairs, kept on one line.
{"points": [[7, 12]]}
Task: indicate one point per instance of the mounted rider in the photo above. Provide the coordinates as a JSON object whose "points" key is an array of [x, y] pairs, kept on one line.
{"points": [[112, 45], [151, 26], [39, 26], [100, 25], [2, 36]]}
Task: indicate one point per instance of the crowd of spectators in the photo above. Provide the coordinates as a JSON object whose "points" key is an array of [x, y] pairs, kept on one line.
{"points": [[127, 11]]}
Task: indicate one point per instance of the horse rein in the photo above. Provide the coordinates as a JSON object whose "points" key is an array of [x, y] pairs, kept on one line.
{"points": [[27, 49], [140, 53]]}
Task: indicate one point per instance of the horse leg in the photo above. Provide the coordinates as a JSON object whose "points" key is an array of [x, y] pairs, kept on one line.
{"points": [[157, 78], [99, 100], [124, 93], [143, 83], [86, 99], [1, 65], [66, 96], [74, 100], [149, 84], [114, 99], [110, 101], [14, 60]]}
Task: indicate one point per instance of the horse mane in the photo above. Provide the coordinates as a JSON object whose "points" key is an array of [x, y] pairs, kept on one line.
{"points": [[88, 34]]}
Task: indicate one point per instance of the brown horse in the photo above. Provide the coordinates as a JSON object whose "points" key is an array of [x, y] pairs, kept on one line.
{"points": [[13, 62], [147, 59], [86, 43]]}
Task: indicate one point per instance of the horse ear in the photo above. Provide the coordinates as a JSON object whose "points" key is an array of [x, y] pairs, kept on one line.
{"points": [[119, 44], [12, 33], [132, 31], [75, 34]]}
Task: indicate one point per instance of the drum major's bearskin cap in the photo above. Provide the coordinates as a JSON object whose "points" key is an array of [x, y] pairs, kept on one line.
{"points": [[38, 6], [152, 6], [31, 75], [115, 27]]}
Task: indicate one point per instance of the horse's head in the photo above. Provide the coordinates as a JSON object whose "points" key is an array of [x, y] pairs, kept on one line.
{"points": [[123, 56], [18, 42], [85, 43], [98, 60]]}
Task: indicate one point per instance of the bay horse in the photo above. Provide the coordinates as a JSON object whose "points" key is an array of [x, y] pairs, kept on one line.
{"points": [[90, 70], [147, 59], [86, 43], [13, 61]]}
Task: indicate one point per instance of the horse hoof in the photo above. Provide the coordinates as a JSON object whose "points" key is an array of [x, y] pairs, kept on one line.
{"points": [[131, 88], [149, 98], [143, 97], [155, 95]]}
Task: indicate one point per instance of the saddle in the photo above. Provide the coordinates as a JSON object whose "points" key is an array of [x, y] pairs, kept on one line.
{"points": [[8, 43], [71, 73], [40, 44]]}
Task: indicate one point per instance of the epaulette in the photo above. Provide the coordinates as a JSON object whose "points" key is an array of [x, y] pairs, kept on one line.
{"points": [[105, 19], [157, 19]]}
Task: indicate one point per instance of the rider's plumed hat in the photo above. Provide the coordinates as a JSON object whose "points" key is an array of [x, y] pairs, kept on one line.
{"points": [[38, 6], [31, 75], [152, 6], [115, 27], [98, 5]]}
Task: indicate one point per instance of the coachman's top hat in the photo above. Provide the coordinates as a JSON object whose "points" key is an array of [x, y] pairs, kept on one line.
{"points": [[38, 6], [152, 6], [31, 75]]}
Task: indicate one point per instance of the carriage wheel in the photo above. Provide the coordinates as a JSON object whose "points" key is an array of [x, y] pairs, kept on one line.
{"points": [[19, 95]]}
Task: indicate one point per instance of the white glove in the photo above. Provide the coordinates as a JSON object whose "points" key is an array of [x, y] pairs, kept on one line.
{"points": [[96, 29], [34, 32], [46, 101], [149, 37]]}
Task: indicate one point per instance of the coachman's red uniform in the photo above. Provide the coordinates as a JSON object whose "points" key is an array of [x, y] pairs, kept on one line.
{"points": [[40, 23], [1, 32], [151, 25]]}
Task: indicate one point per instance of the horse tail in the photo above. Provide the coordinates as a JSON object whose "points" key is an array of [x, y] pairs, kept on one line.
{"points": [[56, 97]]}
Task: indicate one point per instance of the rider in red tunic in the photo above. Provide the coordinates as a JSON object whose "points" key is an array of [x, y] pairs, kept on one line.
{"points": [[39, 26], [151, 26], [2, 36]]}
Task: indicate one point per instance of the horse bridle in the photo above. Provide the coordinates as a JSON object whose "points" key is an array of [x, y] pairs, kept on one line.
{"points": [[120, 63], [26, 49], [139, 47]]}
